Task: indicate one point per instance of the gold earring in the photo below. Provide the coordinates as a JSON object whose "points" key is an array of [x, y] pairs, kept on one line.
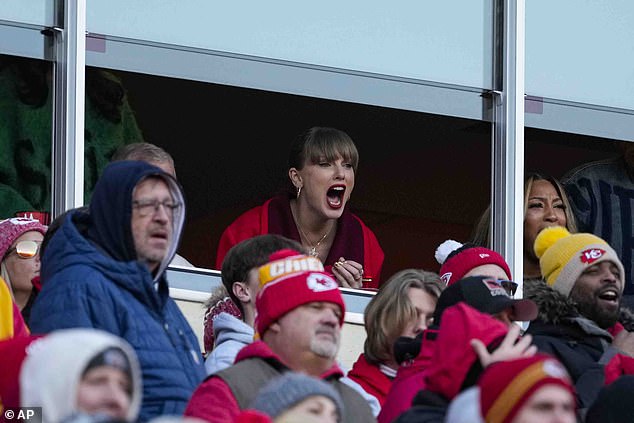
{"points": [[299, 191]]}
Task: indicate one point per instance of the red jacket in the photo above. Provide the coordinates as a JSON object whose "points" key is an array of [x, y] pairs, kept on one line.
{"points": [[13, 352], [371, 378], [214, 401], [354, 240], [445, 362], [408, 380]]}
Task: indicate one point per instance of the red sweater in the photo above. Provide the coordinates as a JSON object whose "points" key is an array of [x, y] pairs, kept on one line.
{"points": [[354, 240], [371, 378]]}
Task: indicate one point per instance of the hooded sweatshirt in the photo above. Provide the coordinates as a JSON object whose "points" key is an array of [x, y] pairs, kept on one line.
{"points": [[231, 335], [53, 368], [93, 257]]}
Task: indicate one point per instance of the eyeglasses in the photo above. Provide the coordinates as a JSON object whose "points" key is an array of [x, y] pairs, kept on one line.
{"points": [[509, 286], [26, 249], [149, 207]]}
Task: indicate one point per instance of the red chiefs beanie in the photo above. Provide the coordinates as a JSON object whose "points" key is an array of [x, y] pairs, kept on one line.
{"points": [[458, 259], [289, 280], [505, 386]]}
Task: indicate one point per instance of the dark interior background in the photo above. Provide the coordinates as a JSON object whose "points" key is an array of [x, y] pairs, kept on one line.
{"points": [[422, 178]]}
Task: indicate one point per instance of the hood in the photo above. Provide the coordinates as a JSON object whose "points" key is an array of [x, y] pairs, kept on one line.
{"points": [[229, 328], [69, 248], [54, 387], [465, 408], [555, 308], [453, 356], [110, 225]]}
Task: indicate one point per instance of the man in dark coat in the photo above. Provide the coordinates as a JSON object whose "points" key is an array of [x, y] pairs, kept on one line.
{"points": [[105, 268], [580, 307]]}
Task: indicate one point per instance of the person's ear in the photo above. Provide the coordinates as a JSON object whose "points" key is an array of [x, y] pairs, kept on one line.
{"points": [[242, 292], [275, 327], [295, 177]]}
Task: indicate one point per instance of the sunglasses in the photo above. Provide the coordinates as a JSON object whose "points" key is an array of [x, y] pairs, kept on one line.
{"points": [[509, 286], [25, 249]]}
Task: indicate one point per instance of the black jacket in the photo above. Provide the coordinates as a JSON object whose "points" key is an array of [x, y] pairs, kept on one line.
{"points": [[581, 346]]}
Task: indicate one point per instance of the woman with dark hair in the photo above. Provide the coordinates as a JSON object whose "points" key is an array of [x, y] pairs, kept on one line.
{"points": [[322, 168], [545, 204]]}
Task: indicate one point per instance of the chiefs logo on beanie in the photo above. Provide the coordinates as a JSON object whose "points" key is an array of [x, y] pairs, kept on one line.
{"points": [[563, 256], [290, 280]]}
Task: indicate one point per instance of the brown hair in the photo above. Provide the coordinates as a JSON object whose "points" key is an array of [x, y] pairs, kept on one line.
{"points": [[319, 143], [390, 310]]}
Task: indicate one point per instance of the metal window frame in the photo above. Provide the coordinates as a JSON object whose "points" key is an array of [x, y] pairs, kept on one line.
{"points": [[507, 173], [67, 178]]}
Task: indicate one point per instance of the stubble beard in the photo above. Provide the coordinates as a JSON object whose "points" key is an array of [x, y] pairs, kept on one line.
{"points": [[589, 307]]}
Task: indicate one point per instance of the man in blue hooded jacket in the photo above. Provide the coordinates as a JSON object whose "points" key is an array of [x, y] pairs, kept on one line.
{"points": [[105, 268]]}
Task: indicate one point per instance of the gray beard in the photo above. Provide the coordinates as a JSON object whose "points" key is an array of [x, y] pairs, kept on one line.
{"points": [[325, 349]]}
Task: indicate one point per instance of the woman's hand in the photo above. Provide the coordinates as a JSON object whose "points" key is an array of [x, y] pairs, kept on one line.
{"points": [[349, 273]]}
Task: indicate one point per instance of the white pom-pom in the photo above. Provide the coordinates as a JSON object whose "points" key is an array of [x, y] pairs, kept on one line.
{"points": [[446, 248]]}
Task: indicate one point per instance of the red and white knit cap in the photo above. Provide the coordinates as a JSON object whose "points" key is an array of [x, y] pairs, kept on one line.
{"points": [[458, 259], [505, 386], [290, 280], [12, 229]]}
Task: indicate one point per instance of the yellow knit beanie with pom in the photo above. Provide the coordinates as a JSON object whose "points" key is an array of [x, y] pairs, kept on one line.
{"points": [[563, 256]]}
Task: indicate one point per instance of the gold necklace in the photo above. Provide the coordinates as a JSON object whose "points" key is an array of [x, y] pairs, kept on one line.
{"points": [[313, 247]]}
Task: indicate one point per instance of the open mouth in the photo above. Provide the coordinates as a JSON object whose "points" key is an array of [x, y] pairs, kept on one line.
{"points": [[159, 236], [610, 296], [335, 196]]}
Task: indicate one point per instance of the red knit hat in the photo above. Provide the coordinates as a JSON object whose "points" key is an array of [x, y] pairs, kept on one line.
{"points": [[506, 385], [289, 280], [458, 259], [11, 229]]}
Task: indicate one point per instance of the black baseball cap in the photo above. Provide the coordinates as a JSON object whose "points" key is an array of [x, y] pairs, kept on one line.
{"points": [[485, 294]]}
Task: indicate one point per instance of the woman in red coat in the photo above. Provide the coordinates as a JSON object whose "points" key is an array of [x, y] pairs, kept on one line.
{"points": [[322, 167]]}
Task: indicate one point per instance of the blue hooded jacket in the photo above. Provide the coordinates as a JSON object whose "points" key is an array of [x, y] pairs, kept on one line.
{"points": [[92, 278]]}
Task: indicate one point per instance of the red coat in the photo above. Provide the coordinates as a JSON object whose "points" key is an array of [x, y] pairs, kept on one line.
{"points": [[214, 401], [371, 378], [354, 240], [446, 362], [13, 352], [408, 380]]}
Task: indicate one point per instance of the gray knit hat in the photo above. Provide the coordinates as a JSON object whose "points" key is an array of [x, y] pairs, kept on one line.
{"points": [[288, 390]]}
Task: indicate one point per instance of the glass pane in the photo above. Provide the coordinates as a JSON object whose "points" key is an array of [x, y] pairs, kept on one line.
{"points": [[36, 12], [449, 42], [596, 173], [109, 123], [25, 135], [581, 51], [422, 178]]}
